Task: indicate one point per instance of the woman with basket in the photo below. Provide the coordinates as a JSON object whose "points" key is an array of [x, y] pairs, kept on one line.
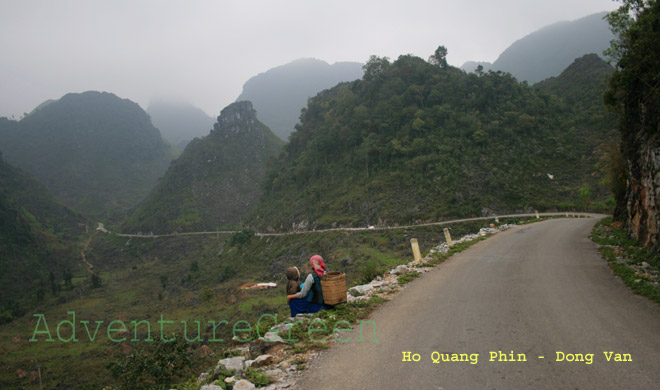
{"points": [[310, 298]]}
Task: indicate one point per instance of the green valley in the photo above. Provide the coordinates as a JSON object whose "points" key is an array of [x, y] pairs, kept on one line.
{"points": [[411, 142]]}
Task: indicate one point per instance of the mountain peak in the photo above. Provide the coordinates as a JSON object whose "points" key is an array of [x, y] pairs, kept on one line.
{"points": [[215, 181], [549, 50], [237, 117], [584, 80]]}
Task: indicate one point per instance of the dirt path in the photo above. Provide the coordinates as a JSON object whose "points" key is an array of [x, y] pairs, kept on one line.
{"points": [[82, 253]]}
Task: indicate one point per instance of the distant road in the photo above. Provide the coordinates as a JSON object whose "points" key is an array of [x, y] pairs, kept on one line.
{"points": [[347, 229], [535, 290]]}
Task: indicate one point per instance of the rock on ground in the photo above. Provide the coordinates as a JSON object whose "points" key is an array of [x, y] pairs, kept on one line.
{"points": [[402, 269], [263, 360], [360, 290], [210, 387], [233, 363], [244, 385]]}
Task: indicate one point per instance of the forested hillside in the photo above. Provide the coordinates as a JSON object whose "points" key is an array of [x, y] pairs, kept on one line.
{"points": [[216, 180], [414, 141], [96, 152], [37, 239], [583, 83]]}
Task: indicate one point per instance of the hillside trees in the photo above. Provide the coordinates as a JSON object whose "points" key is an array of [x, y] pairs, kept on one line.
{"points": [[439, 58], [37, 241], [413, 140], [215, 181]]}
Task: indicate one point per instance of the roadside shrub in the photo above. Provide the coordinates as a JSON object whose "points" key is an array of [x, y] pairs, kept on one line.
{"points": [[370, 271], [155, 367]]}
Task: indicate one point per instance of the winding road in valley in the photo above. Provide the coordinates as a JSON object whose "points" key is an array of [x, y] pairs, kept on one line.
{"points": [[348, 229], [539, 290]]}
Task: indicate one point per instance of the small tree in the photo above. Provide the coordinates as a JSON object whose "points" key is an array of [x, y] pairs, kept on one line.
{"points": [[584, 193], [194, 267], [241, 238], [207, 293], [67, 275], [53, 286], [375, 67], [227, 273], [40, 294], [163, 281], [439, 58], [96, 280]]}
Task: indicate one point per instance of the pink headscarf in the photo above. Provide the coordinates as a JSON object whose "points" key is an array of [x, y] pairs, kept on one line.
{"points": [[317, 264]]}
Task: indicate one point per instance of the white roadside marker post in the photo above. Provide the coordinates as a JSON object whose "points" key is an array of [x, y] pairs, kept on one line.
{"points": [[450, 243], [415, 249]]}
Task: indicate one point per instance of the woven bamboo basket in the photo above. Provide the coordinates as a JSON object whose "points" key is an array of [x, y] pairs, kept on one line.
{"points": [[333, 285]]}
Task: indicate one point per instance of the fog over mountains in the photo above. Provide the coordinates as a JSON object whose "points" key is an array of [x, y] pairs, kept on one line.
{"points": [[96, 152], [549, 50], [280, 93], [179, 122]]}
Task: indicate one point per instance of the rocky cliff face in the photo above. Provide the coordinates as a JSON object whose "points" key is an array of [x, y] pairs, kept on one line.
{"points": [[634, 94], [642, 199]]}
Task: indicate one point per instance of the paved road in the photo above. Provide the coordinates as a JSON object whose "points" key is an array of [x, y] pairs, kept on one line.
{"points": [[534, 290], [344, 229]]}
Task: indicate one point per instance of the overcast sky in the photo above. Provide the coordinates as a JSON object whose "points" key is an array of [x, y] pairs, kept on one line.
{"points": [[203, 51]]}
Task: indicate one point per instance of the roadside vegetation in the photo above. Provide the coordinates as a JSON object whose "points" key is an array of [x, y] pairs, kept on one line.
{"points": [[638, 267]]}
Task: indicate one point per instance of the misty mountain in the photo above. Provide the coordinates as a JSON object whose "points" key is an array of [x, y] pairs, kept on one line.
{"points": [[471, 66], [548, 51], [37, 236], [179, 122], [215, 181], [42, 105], [280, 93], [96, 152], [412, 141]]}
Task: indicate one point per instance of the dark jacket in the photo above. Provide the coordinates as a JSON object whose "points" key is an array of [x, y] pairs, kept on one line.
{"points": [[316, 293]]}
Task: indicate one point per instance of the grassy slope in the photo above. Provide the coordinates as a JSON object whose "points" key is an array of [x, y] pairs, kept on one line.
{"points": [[38, 235], [626, 258], [131, 271]]}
